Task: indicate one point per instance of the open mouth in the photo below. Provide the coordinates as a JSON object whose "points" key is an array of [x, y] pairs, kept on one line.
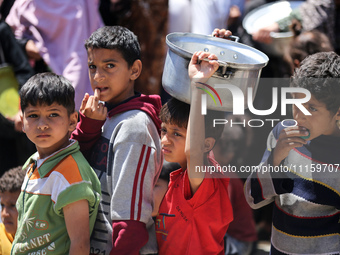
{"points": [[305, 136], [103, 89], [165, 150]]}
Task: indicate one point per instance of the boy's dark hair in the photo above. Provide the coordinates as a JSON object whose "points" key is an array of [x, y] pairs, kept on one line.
{"points": [[12, 179], [47, 88], [176, 112], [116, 38], [308, 43], [319, 74]]}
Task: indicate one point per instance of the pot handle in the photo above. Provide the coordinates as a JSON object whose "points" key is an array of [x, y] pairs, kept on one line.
{"points": [[222, 70], [232, 37]]}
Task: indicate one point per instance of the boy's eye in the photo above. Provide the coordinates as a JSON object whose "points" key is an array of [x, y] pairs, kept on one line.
{"points": [[32, 116], [163, 130], [177, 134], [312, 109], [92, 67], [110, 65], [54, 115]]}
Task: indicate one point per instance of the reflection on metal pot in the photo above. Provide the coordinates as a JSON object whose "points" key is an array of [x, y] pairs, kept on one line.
{"points": [[240, 65]]}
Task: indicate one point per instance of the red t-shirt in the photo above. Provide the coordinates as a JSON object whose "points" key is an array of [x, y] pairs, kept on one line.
{"points": [[196, 224]]}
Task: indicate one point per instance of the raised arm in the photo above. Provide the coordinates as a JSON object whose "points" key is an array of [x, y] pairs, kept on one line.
{"points": [[199, 72]]}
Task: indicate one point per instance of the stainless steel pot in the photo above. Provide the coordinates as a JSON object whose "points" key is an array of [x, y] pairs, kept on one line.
{"points": [[266, 15], [240, 65]]}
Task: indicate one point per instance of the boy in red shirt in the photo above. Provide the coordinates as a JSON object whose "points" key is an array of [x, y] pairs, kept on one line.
{"points": [[195, 212]]}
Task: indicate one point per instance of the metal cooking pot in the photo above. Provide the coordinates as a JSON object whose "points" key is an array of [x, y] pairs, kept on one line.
{"points": [[240, 65], [266, 15]]}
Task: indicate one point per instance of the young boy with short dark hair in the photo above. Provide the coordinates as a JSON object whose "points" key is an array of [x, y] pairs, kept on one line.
{"points": [[306, 192], [60, 195], [10, 187], [195, 212], [121, 139]]}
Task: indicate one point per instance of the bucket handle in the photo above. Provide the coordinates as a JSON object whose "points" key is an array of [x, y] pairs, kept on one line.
{"points": [[222, 70], [234, 37], [231, 37]]}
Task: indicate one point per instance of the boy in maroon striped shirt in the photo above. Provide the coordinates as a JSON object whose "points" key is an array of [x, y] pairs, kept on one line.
{"points": [[120, 138]]}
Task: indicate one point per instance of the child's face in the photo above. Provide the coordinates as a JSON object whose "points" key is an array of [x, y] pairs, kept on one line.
{"points": [[321, 122], [9, 213], [48, 127], [173, 143], [110, 73]]}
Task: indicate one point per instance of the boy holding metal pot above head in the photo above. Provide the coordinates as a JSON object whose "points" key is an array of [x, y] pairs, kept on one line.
{"points": [[299, 170], [195, 212]]}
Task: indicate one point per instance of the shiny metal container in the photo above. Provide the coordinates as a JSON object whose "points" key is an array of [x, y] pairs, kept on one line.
{"points": [[240, 65]]}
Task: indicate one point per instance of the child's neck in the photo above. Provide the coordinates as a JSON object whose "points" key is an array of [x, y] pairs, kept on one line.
{"points": [[46, 153]]}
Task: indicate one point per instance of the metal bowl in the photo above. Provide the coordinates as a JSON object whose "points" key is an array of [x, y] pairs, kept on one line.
{"points": [[240, 65], [266, 15]]}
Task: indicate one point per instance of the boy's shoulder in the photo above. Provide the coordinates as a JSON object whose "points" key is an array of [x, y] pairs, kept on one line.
{"points": [[214, 180], [71, 166], [175, 174], [136, 121], [151, 104], [140, 110], [61, 161]]}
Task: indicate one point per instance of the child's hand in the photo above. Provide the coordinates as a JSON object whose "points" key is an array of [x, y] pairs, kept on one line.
{"points": [[92, 108], [289, 138], [32, 50], [263, 34], [17, 121], [201, 70], [221, 33]]}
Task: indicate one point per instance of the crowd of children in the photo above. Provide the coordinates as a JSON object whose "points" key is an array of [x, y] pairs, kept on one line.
{"points": [[97, 183]]}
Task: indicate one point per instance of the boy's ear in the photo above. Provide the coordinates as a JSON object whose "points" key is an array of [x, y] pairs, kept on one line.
{"points": [[136, 69], [337, 118], [73, 121], [22, 121], [209, 143], [337, 115]]}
